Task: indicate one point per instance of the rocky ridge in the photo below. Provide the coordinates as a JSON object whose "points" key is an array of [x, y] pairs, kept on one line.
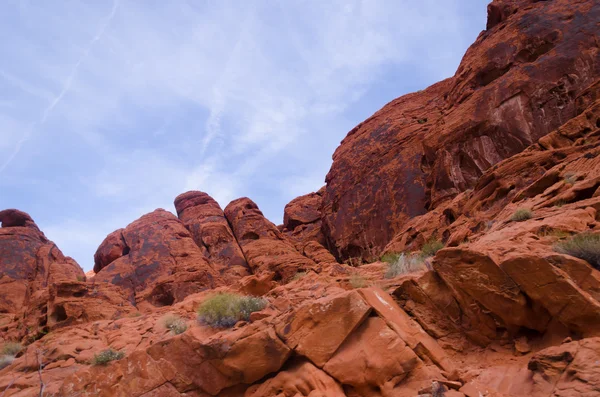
{"points": [[499, 311]]}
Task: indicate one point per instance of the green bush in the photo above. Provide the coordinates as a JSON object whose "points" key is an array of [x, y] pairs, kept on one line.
{"points": [[584, 246], [175, 324], [5, 361], [390, 257], [106, 356], [226, 309], [522, 214], [405, 264], [358, 281], [431, 247], [11, 348]]}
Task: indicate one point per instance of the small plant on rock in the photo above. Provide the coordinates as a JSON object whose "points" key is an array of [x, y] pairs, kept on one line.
{"points": [[175, 324], [405, 264], [545, 231], [522, 214], [298, 276], [431, 247], [570, 178], [106, 356], [11, 348], [390, 257], [6, 360], [358, 281], [560, 203], [355, 262], [226, 309], [584, 246]]}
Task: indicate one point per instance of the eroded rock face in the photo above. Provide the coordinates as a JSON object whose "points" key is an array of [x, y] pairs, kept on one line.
{"points": [[302, 218], [497, 312], [156, 260], [302, 225], [266, 249], [205, 220], [299, 378], [227, 362], [519, 81], [29, 265]]}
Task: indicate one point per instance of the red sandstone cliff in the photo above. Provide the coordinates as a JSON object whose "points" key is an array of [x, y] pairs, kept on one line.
{"points": [[520, 80], [499, 311]]}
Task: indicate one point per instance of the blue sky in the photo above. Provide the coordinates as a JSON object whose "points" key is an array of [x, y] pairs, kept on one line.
{"points": [[109, 109]]}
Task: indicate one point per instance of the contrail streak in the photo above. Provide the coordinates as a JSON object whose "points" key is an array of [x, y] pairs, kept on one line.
{"points": [[66, 86]]}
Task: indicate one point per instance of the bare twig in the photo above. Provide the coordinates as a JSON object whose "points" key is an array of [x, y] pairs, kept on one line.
{"points": [[9, 385], [40, 359]]}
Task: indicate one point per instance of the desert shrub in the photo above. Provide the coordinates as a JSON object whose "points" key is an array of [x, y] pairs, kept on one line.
{"points": [[431, 247], [390, 257], [6, 360], [522, 214], [298, 276], [11, 348], [175, 324], [584, 246], [546, 231], [106, 356], [570, 178], [358, 281], [405, 264], [225, 310], [355, 262], [560, 203]]}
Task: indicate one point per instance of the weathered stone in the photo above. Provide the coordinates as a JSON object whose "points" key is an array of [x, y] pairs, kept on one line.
{"points": [[316, 330], [205, 220], [266, 249]]}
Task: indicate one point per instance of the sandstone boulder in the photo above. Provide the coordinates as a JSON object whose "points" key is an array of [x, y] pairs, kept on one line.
{"points": [[266, 249], [159, 262], [29, 265], [316, 329], [205, 220]]}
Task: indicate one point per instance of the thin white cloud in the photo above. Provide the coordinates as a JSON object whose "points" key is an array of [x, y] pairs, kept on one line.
{"points": [[48, 110], [84, 54]]}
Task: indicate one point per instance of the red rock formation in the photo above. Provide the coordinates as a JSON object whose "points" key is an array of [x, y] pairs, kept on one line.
{"points": [[498, 312], [155, 259], [205, 220], [302, 225], [302, 218], [29, 264], [266, 249], [516, 83]]}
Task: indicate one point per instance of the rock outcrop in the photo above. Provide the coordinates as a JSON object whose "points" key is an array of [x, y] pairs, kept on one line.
{"points": [[205, 220], [303, 226], [519, 81], [499, 164], [156, 260], [41, 289], [266, 249]]}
